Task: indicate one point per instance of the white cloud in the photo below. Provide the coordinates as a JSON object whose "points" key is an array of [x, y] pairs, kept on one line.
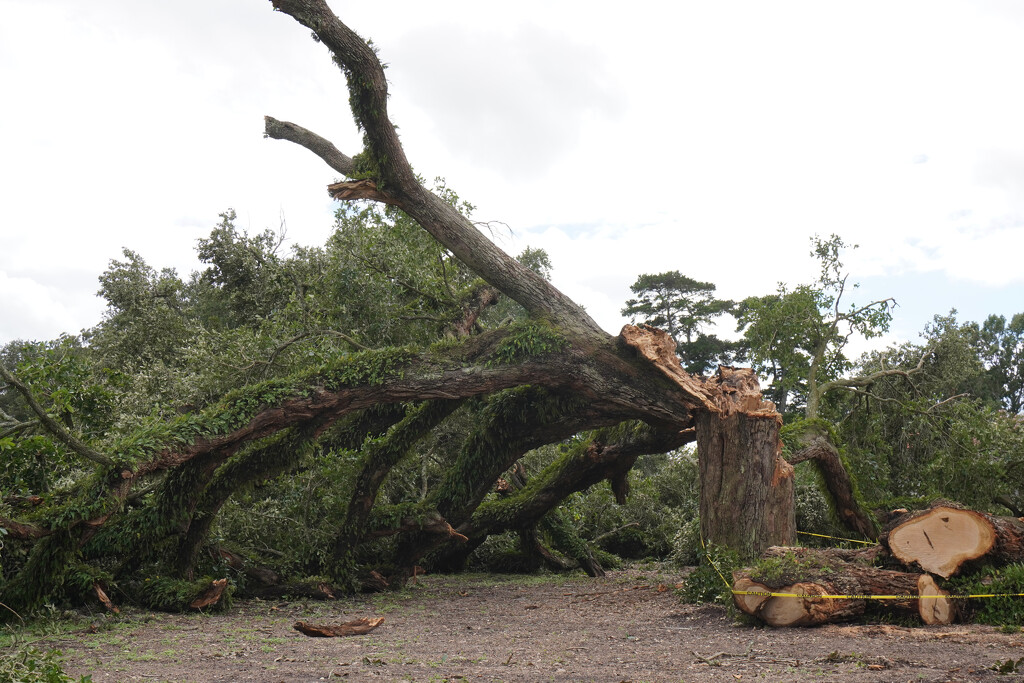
{"points": [[709, 138], [31, 310]]}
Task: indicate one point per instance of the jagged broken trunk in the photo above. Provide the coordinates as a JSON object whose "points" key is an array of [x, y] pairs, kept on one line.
{"points": [[746, 486]]}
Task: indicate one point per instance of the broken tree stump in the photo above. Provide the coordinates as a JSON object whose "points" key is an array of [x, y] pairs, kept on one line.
{"points": [[943, 538], [351, 628]]}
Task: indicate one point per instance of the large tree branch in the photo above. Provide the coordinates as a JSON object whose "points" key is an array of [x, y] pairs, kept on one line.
{"points": [[51, 425], [368, 96], [869, 379], [588, 464], [322, 147]]}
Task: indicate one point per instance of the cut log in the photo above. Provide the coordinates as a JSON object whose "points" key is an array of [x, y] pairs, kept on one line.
{"points": [[941, 539], [819, 586], [351, 628], [935, 607]]}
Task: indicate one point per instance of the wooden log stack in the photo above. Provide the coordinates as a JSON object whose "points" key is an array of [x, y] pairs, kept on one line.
{"points": [[807, 586]]}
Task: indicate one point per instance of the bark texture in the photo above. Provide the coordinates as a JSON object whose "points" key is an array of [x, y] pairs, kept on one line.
{"points": [[746, 495]]}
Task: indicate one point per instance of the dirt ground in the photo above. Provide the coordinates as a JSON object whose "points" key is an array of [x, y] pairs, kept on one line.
{"points": [[511, 628]]}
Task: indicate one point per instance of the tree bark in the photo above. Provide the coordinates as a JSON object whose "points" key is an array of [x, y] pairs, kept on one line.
{"points": [[746, 493]]}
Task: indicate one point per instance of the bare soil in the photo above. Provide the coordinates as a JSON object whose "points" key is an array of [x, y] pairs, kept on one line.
{"points": [[628, 626]]}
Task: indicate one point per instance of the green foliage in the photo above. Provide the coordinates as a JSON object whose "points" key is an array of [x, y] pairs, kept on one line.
{"points": [[502, 554], [1006, 583], [32, 665], [797, 336], [663, 492], [527, 340], [1000, 346], [174, 595], [1009, 666], [788, 569], [709, 582], [925, 439]]}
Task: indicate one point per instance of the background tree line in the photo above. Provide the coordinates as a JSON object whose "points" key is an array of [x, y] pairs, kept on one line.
{"points": [[937, 418]]}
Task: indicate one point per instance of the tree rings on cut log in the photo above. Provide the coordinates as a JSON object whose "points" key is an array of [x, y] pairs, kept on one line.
{"points": [[351, 628], [941, 539]]}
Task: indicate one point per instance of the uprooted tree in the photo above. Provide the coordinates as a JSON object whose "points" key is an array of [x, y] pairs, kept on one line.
{"points": [[151, 497]]}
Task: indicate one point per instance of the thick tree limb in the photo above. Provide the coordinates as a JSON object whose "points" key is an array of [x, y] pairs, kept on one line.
{"points": [[378, 459], [590, 463], [51, 425], [21, 531], [323, 148], [12, 429], [868, 380], [837, 480], [368, 94]]}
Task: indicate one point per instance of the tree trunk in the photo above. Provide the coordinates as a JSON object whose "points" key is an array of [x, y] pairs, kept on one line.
{"points": [[746, 486]]}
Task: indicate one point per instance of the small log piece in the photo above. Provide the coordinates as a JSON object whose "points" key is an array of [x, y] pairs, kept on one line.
{"points": [[352, 628], [103, 598], [934, 610]]}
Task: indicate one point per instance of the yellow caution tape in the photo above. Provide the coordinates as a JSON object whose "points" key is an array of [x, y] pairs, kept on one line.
{"points": [[878, 597], [712, 562], [836, 538]]}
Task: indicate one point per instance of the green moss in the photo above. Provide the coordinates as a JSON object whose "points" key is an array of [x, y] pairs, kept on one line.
{"points": [[789, 569], [797, 431], [528, 340]]}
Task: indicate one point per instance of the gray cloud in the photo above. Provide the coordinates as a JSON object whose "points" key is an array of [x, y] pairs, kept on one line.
{"points": [[512, 101]]}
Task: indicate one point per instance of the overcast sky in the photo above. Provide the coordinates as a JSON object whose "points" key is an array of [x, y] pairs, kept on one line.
{"points": [[713, 138]]}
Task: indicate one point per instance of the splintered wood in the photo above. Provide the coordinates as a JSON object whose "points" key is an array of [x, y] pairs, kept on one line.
{"points": [[211, 595], [660, 349], [352, 628]]}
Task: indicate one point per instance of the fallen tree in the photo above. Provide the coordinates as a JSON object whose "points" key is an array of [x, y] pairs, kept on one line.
{"points": [[148, 499]]}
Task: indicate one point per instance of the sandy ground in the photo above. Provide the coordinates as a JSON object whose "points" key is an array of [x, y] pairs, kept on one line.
{"points": [[628, 626]]}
